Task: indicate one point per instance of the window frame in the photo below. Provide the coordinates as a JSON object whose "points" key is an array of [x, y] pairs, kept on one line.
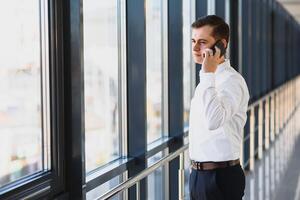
{"points": [[122, 91], [192, 18], [164, 72], [46, 182]]}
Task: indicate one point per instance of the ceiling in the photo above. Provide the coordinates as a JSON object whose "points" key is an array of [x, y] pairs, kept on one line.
{"points": [[293, 7]]}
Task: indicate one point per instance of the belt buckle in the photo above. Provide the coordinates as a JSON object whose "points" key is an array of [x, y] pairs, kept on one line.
{"points": [[198, 166]]}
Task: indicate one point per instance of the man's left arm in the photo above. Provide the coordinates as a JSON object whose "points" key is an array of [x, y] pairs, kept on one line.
{"points": [[219, 106]]}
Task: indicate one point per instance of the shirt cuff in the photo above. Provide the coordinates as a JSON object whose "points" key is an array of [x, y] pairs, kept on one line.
{"points": [[207, 79]]}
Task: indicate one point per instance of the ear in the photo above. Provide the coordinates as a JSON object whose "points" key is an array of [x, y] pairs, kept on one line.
{"points": [[225, 43]]}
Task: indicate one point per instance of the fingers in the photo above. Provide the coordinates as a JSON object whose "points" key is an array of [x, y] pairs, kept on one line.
{"points": [[207, 53]]}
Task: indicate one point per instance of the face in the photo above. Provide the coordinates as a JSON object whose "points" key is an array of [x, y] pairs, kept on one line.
{"points": [[201, 39]]}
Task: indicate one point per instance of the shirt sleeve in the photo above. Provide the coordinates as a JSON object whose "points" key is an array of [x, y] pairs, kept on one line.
{"points": [[219, 106]]}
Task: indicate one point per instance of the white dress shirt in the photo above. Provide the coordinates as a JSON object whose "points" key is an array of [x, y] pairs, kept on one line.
{"points": [[218, 115]]}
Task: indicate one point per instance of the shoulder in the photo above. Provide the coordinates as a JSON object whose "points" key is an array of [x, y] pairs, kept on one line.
{"points": [[235, 79], [231, 75]]}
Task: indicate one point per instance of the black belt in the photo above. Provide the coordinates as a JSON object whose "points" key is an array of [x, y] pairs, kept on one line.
{"points": [[214, 165]]}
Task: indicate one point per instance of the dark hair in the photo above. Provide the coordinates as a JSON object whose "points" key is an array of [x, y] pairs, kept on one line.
{"points": [[220, 27]]}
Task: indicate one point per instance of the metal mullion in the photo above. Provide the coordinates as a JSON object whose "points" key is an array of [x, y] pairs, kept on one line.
{"points": [[165, 66], [123, 134], [175, 103], [136, 90], [165, 89], [193, 67], [45, 100], [220, 6], [55, 9], [74, 99], [249, 60], [122, 77]]}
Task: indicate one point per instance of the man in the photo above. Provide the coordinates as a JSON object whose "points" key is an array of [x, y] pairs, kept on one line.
{"points": [[217, 117]]}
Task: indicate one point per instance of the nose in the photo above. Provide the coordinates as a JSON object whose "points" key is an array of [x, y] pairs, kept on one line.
{"points": [[196, 47]]}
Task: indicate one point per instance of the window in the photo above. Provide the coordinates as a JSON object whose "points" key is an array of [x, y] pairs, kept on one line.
{"points": [[188, 64], [102, 189], [156, 181], [102, 82], [24, 101], [156, 69], [187, 169], [211, 7]]}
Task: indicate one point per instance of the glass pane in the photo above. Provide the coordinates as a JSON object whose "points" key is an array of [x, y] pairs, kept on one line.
{"points": [[155, 180], [102, 189], [155, 185], [187, 171], [101, 82], [187, 62], [20, 88], [154, 68]]}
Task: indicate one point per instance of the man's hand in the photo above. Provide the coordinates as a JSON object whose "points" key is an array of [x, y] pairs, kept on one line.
{"points": [[211, 61]]}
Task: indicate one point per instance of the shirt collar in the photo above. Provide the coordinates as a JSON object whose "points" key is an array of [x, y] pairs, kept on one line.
{"points": [[222, 66]]}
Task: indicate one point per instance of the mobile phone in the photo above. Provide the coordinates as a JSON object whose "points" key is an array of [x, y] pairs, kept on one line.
{"points": [[221, 46]]}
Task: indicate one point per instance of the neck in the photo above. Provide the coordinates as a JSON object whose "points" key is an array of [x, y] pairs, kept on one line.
{"points": [[223, 60]]}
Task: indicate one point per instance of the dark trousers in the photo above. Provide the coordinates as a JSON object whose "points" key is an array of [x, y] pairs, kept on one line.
{"points": [[219, 184]]}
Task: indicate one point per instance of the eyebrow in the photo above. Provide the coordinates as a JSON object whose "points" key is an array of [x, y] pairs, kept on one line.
{"points": [[200, 40]]}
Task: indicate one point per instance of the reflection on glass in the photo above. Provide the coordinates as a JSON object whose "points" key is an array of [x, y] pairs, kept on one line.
{"points": [[100, 82], [20, 89], [102, 189], [156, 180], [187, 170], [154, 69], [187, 62]]}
